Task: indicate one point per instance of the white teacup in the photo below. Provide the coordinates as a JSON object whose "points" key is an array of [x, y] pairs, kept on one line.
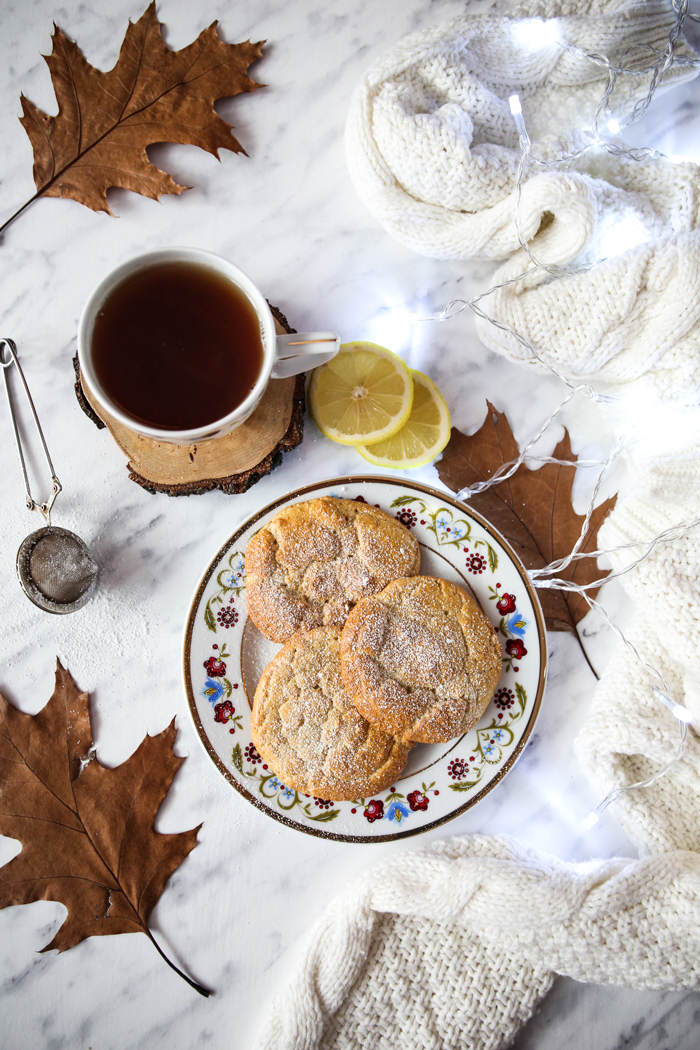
{"points": [[282, 355]]}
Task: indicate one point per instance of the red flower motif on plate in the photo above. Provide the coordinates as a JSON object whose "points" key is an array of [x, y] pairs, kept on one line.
{"points": [[374, 810], [515, 648], [407, 517], [215, 668], [476, 563], [417, 800], [506, 604], [252, 754], [504, 699], [227, 617], [224, 711]]}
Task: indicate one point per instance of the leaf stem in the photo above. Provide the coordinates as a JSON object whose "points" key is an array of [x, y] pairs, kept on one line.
{"points": [[587, 658], [193, 984], [19, 211]]}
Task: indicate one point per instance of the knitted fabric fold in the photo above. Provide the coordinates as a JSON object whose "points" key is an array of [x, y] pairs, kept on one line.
{"points": [[630, 734], [433, 152], [431, 144], [633, 317], [454, 945]]}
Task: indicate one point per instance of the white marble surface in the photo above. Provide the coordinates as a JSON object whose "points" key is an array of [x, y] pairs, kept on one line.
{"points": [[289, 216]]}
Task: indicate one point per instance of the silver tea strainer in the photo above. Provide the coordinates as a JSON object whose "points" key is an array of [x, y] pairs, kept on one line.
{"points": [[54, 565]]}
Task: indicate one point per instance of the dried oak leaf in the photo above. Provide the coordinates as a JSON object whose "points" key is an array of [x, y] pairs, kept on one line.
{"points": [[87, 832], [532, 509], [105, 121]]}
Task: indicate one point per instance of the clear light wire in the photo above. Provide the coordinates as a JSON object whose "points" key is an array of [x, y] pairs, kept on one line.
{"points": [[659, 63]]}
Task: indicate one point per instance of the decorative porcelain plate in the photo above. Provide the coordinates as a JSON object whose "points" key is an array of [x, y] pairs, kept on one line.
{"points": [[225, 655]]}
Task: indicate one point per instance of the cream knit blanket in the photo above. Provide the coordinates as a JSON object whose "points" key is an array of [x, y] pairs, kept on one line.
{"points": [[433, 152], [453, 946]]}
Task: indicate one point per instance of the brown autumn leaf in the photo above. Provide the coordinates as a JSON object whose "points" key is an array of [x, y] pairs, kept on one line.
{"points": [[105, 121], [87, 832], [532, 509]]}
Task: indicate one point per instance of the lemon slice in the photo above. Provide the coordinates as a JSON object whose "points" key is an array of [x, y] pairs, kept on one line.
{"points": [[363, 395], [424, 434]]}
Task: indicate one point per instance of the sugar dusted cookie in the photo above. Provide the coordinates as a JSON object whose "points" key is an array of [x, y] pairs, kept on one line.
{"points": [[308, 730], [420, 659], [309, 565]]}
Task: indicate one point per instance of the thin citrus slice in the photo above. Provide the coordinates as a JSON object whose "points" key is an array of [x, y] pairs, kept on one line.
{"points": [[363, 395], [424, 434]]}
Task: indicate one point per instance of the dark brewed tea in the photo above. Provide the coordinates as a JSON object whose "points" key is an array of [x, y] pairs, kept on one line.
{"points": [[177, 346]]}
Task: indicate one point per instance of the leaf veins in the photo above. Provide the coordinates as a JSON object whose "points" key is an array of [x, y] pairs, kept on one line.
{"points": [[532, 509], [106, 121], [87, 831]]}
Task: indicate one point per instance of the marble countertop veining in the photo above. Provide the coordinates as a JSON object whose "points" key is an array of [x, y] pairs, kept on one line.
{"points": [[288, 215]]}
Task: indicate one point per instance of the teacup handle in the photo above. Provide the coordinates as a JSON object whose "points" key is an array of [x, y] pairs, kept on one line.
{"points": [[301, 351]]}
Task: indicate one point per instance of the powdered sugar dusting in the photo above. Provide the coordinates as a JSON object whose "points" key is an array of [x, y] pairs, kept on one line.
{"points": [[421, 659], [311, 563], [307, 727]]}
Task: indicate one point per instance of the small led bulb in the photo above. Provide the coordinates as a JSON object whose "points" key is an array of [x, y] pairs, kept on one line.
{"points": [[590, 820]]}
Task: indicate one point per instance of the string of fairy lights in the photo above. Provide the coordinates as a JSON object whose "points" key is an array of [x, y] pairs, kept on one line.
{"points": [[534, 32]]}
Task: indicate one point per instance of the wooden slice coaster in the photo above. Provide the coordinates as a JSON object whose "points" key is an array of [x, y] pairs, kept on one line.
{"points": [[232, 462]]}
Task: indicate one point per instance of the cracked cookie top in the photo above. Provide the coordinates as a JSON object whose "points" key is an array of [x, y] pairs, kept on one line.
{"points": [[420, 659], [308, 730], [314, 560]]}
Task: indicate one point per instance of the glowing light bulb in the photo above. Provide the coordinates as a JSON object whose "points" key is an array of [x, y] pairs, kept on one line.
{"points": [[614, 126], [517, 111], [668, 425], [536, 33], [590, 821], [619, 235], [677, 710], [515, 106], [392, 326]]}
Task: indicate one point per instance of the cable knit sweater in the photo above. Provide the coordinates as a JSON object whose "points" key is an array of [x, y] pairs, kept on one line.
{"points": [[475, 970], [419, 954], [433, 152]]}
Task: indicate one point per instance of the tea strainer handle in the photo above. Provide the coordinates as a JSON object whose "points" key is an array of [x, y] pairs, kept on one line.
{"points": [[8, 358]]}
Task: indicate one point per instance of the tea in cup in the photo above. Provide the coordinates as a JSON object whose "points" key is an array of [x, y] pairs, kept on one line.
{"points": [[179, 345]]}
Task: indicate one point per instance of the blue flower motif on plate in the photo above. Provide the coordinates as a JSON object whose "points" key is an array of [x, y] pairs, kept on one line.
{"points": [[213, 690], [517, 624], [396, 811]]}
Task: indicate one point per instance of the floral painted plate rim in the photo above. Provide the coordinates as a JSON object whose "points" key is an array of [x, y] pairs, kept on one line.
{"points": [[359, 480]]}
